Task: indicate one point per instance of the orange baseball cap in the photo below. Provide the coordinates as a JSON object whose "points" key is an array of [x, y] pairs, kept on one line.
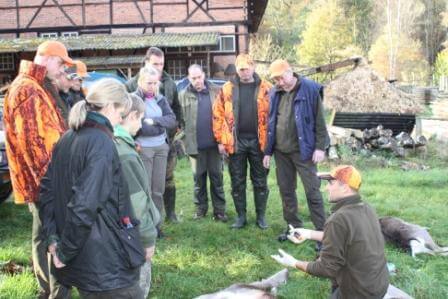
{"points": [[54, 48], [81, 68], [345, 173], [278, 67], [243, 61]]}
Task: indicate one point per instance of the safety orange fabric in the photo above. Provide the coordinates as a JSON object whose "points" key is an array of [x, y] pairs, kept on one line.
{"points": [[33, 125], [223, 116]]}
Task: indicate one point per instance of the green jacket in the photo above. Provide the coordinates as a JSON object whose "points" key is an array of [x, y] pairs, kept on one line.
{"points": [[353, 251], [137, 178], [189, 104], [169, 90]]}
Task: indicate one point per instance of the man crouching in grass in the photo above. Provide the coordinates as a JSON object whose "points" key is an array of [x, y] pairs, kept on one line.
{"points": [[352, 253], [137, 179]]}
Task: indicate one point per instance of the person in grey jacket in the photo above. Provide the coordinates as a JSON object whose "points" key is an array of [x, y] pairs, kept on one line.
{"points": [[155, 57], [200, 144], [158, 119]]}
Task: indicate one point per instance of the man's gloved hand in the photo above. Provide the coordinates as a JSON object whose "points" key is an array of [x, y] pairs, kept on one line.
{"points": [[298, 235], [285, 259]]}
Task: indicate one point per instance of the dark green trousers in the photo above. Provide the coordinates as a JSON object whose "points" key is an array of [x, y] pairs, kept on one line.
{"points": [[287, 167], [44, 270], [208, 163]]}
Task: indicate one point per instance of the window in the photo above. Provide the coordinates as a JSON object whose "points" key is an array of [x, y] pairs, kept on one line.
{"points": [[69, 34], [49, 34], [226, 44], [202, 62], [176, 68], [6, 62]]}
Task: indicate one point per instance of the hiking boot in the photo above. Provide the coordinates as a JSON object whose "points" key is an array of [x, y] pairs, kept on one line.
{"points": [[220, 217], [199, 215]]}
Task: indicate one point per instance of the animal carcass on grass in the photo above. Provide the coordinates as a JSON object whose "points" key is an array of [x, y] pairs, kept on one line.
{"points": [[410, 236]]}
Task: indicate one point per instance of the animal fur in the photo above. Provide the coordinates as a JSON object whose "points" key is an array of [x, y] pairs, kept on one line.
{"points": [[264, 289], [410, 236]]}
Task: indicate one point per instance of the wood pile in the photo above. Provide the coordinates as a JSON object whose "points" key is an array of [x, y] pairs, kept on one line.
{"points": [[364, 90], [373, 139]]}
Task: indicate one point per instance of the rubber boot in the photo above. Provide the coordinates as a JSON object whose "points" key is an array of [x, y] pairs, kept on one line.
{"points": [[169, 198], [261, 198], [240, 206]]}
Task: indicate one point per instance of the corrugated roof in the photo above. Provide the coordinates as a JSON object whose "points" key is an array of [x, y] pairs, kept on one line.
{"points": [[112, 60], [115, 42]]}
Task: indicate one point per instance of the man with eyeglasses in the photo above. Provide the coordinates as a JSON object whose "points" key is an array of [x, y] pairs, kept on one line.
{"points": [[352, 253]]}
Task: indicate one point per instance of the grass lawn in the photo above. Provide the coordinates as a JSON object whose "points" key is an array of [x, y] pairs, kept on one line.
{"points": [[203, 256]]}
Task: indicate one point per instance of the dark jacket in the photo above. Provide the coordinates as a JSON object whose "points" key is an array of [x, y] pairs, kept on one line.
{"points": [[85, 177], [161, 124], [306, 110], [169, 90], [353, 251], [189, 103]]}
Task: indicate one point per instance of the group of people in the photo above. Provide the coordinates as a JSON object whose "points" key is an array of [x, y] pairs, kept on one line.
{"points": [[97, 170]]}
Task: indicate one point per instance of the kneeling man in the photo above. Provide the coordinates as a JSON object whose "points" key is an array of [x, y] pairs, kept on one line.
{"points": [[352, 253]]}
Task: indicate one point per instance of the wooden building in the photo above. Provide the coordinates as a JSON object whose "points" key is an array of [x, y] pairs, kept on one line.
{"points": [[114, 34]]}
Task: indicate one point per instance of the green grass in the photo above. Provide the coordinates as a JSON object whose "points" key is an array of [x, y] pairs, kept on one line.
{"points": [[203, 256]]}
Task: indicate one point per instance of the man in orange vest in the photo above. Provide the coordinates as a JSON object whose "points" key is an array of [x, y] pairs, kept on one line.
{"points": [[240, 121], [33, 124]]}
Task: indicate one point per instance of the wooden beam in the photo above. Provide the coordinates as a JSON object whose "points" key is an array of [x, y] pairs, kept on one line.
{"points": [[140, 12], [35, 15], [17, 17], [83, 9], [107, 26], [63, 11]]}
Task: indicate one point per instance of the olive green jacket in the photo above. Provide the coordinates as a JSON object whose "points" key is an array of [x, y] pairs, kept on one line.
{"points": [[189, 105], [137, 178]]}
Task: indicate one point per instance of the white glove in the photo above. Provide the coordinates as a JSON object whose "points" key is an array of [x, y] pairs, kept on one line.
{"points": [[149, 121], [298, 235], [285, 259]]}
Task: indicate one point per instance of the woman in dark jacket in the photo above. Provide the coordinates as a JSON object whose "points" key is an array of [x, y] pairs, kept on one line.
{"points": [[153, 136], [84, 198]]}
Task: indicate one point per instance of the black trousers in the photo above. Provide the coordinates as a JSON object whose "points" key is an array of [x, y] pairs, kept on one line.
{"points": [[132, 292], [208, 163], [248, 150], [287, 167]]}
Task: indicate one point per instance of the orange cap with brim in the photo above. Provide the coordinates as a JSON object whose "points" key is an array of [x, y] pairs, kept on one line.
{"points": [[345, 173], [278, 68], [54, 48], [81, 68], [243, 61]]}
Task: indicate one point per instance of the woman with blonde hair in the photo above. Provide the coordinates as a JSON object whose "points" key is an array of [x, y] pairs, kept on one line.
{"points": [[152, 138], [85, 203]]}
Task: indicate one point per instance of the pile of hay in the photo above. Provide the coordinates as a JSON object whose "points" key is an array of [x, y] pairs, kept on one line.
{"points": [[363, 90]]}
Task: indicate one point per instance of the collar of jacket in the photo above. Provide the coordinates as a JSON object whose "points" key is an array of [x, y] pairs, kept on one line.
{"points": [[99, 119], [349, 200], [236, 80], [276, 90], [141, 94], [207, 83], [36, 71], [123, 134], [165, 77]]}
